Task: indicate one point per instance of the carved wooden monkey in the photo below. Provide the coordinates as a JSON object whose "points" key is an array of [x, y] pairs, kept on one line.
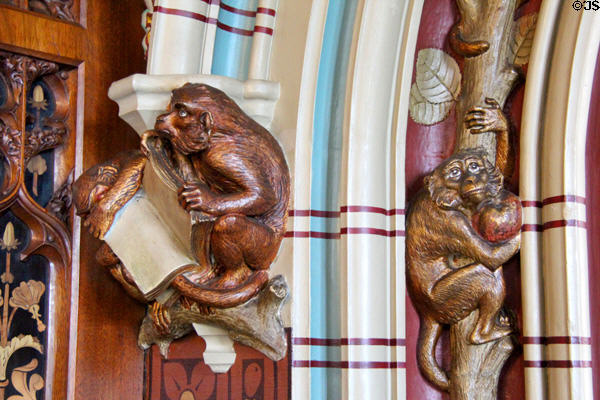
{"points": [[235, 172], [439, 229]]}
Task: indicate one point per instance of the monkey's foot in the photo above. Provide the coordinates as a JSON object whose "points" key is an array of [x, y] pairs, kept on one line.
{"points": [[255, 323], [160, 318], [479, 337]]}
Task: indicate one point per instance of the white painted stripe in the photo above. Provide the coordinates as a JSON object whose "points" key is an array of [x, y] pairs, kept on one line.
{"points": [[564, 211], [576, 352], [174, 40]]}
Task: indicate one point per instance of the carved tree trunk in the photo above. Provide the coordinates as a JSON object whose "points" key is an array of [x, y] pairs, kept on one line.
{"points": [[475, 369], [489, 74]]}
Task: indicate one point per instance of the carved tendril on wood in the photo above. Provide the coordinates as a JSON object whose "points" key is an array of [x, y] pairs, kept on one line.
{"points": [[464, 225]]}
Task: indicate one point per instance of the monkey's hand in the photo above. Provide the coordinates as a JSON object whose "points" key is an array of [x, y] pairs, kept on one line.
{"points": [[160, 318], [99, 221], [193, 196], [144, 142], [486, 119]]}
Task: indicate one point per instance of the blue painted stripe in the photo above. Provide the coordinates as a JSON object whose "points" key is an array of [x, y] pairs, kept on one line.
{"points": [[326, 170], [231, 55]]}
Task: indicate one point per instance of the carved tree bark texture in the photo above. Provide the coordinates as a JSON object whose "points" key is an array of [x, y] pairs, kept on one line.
{"points": [[489, 74], [476, 369]]}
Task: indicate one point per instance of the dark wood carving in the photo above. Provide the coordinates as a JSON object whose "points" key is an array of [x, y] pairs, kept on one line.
{"points": [[232, 178], [463, 225], [33, 110], [61, 9]]}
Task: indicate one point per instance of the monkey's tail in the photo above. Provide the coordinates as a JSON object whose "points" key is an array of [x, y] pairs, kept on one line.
{"points": [[218, 297], [428, 337]]}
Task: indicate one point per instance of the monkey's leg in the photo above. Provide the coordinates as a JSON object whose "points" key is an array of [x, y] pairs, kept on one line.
{"points": [[462, 291], [240, 244]]}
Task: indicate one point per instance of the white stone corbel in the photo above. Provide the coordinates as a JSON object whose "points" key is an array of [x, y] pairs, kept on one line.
{"points": [[219, 354], [141, 98]]}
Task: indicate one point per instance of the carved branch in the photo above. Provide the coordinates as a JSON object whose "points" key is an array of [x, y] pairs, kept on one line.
{"points": [[489, 74], [475, 368], [256, 323]]}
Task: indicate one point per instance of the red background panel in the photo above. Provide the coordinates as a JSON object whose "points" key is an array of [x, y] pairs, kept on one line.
{"points": [[426, 147]]}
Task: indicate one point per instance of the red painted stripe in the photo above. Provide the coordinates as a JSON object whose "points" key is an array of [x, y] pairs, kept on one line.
{"points": [[566, 198], [231, 29], [531, 228], [263, 29], [564, 222], [238, 11], [344, 231], [346, 209], [312, 234], [307, 341], [376, 210], [558, 364], [545, 340], [348, 364], [531, 203], [371, 231], [184, 13], [264, 10], [314, 213]]}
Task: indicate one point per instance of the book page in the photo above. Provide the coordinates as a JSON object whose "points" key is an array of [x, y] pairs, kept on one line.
{"points": [[148, 247]]}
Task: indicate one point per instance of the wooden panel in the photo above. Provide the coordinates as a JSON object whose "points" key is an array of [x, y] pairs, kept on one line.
{"points": [[105, 362]]}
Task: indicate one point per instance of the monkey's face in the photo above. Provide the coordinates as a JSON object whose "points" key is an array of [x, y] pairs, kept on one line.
{"points": [[465, 179], [187, 126], [469, 177]]}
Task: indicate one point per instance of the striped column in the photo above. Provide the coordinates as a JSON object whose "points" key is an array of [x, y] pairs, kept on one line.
{"points": [[348, 218], [301, 305], [260, 55], [233, 40], [177, 36], [532, 282], [210, 33], [567, 357]]}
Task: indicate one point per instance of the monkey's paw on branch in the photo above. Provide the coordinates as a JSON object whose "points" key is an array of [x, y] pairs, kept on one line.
{"points": [[256, 323]]}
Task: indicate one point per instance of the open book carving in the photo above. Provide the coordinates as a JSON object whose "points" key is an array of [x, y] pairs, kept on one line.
{"points": [[200, 224]]}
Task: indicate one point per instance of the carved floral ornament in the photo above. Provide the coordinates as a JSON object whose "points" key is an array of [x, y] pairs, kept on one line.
{"points": [[220, 182], [33, 112], [464, 225]]}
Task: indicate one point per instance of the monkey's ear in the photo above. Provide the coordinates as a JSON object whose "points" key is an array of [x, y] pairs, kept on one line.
{"points": [[206, 119], [443, 196], [495, 179]]}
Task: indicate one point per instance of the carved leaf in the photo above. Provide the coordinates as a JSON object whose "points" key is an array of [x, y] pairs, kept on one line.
{"points": [[438, 76], [26, 389], [15, 344], [424, 112], [520, 47]]}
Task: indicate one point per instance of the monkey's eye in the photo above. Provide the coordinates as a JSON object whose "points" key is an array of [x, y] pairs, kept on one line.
{"points": [[182, 113], [454, 173], [474, 167]]}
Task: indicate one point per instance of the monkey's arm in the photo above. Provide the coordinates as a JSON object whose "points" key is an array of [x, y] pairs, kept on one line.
{"points": [[254, 196], [464, 240]]}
